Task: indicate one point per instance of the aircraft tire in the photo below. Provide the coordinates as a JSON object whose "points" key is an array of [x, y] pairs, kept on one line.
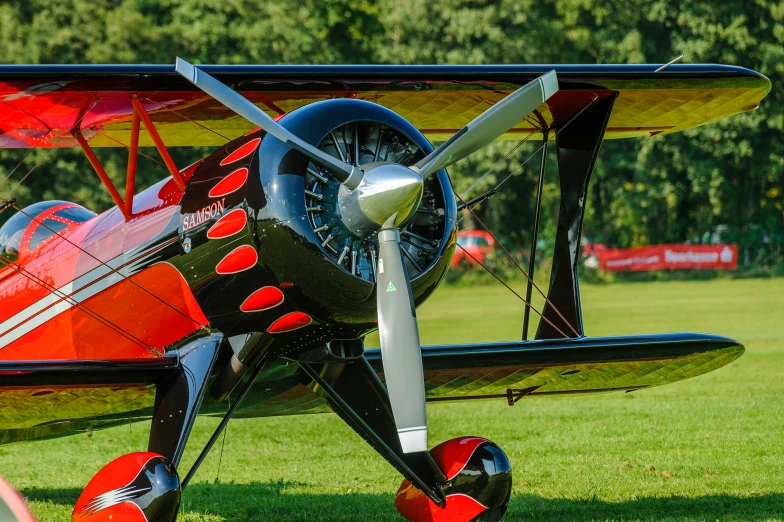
{"points": [[478, 486], [141, 487]]}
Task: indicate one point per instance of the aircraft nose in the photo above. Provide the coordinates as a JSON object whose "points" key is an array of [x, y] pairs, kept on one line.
{"points": [[388, 194], [394, 191]]}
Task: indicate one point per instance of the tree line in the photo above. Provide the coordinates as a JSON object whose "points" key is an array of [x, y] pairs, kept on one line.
{"points": [[721, 182]]}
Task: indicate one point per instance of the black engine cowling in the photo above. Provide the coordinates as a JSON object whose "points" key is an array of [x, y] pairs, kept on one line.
{"points": [[340, 296], [325, 275]]}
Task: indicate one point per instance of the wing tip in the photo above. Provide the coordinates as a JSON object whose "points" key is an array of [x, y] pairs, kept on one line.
{"points": [[185, 69], [549, 84]]}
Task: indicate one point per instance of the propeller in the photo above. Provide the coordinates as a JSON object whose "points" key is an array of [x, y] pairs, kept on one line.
{"points": [[382, 197], [490, 124], [401, 354], [347, 174]]}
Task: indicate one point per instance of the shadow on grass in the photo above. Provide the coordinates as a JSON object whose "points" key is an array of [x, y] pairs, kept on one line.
{"points": [[278, 502]]}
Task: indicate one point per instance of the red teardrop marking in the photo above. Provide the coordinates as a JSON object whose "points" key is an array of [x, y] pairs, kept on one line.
{"points": [[231, 183], [262, 299], [239, 259], [228, 225], [289, 322], [241, 152]]}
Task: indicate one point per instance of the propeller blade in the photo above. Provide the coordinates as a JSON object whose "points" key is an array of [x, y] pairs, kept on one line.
{"points": [[401, 354], [348, 175], [490, 124]]}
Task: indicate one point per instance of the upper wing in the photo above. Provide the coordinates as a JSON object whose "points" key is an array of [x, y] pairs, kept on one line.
{"points": [[41, 105]]}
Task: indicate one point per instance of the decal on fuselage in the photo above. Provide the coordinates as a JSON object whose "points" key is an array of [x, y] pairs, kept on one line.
{"points": [[212, 211]]}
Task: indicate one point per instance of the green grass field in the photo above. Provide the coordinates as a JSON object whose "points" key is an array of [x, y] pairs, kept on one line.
{"points": [[709, 448]]}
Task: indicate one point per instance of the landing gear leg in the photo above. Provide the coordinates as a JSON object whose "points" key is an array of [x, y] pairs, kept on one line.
{"points": [[355, 393], [460, 480], [145, 486]]}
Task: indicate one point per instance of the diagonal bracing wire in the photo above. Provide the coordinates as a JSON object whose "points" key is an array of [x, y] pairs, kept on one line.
{"points": [[509, 255], [103, 263], [128, 147], [506, 252], [30, 151], [77, 304], [491, 169], [61, 236], [54, 291], [529, 305], [534, 153], [113, 270], [18, 183], [542, 145], [78, 122]]}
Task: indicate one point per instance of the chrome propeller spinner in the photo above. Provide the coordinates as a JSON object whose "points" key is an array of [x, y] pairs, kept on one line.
{"points": [[381, 197], [388, 195]]}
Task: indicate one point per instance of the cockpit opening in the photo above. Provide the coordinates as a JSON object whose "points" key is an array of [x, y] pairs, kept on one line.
{"points": [[32, 226]]}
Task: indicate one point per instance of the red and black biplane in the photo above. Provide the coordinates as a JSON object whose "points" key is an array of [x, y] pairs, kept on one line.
{"points": [[243, 285]]}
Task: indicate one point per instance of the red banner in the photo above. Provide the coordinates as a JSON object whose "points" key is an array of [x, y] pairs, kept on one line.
{"points": [[670, 257]]}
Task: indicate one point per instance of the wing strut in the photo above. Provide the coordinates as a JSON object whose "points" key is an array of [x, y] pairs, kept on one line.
{"points": [[178, 399], [138, 108], [139, 116], [578, 146], [535, 236], [96, 163], [223, 423]]}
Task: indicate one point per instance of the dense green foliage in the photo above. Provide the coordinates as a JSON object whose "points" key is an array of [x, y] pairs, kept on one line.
{"points": [[667, 189], [704, 449]]}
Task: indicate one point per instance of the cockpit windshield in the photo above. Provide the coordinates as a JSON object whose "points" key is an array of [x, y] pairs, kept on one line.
{"points": [[32, 226]]}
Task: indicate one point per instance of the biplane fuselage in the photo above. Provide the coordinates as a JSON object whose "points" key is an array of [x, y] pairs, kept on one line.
{"points": [[235, 251]]}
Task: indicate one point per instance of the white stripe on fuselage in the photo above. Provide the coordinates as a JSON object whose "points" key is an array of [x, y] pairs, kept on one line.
{"points": [[69, 295]]}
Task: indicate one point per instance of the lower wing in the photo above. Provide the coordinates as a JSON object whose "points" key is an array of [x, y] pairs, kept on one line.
{"points": [[40, 399], [511, 370]]}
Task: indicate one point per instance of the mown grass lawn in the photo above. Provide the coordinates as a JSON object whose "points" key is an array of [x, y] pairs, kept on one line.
{"points": [[710, 448]]}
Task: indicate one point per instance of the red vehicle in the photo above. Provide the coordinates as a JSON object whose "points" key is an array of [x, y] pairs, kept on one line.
{"points": [[472, 247], [247, 282]]}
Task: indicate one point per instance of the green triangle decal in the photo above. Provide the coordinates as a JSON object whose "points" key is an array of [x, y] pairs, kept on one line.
{"points": [[391, 287]]}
